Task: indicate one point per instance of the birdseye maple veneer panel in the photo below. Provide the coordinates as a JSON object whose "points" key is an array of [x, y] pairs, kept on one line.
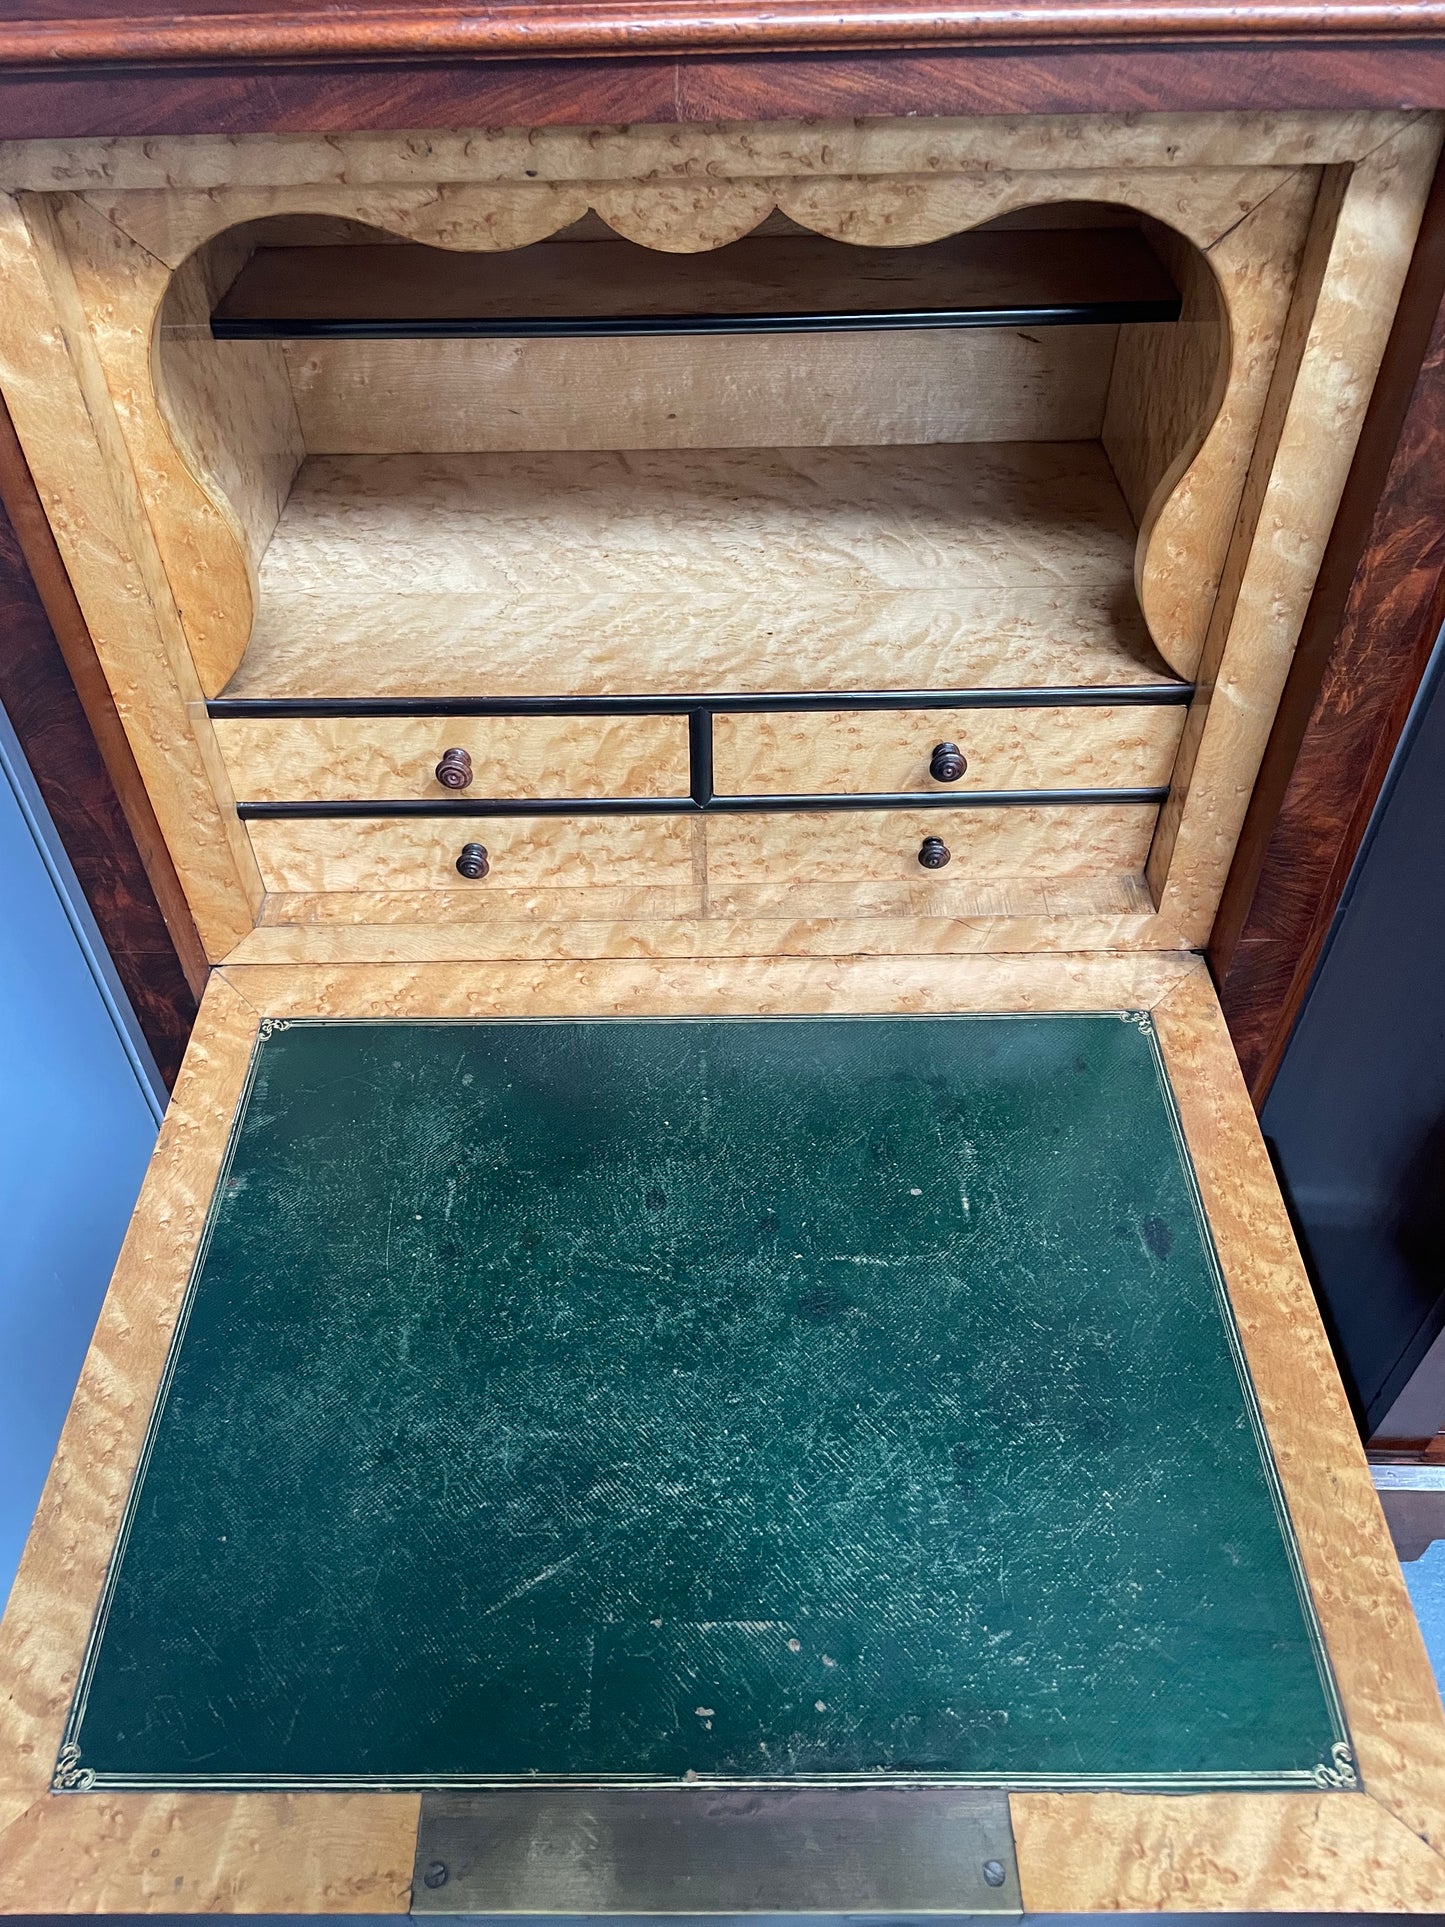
{"points": [[1179, 529], [273, 759], [845, 389], [1005, 749], [380, 853], [678, 572], [1097, 839], [347, 758], [370, 853]]}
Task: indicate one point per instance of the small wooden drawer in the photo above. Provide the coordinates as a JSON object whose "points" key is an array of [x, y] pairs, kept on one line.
{"points": [[828, 752], [357, 758], [522, 852], [834, 846]]}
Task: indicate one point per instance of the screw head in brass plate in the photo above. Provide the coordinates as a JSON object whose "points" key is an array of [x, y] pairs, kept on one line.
{"points": [[472, 863], [934, 853]]}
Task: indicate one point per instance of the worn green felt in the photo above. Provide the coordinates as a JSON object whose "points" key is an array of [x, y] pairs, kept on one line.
{"points": [[755, 1398]]}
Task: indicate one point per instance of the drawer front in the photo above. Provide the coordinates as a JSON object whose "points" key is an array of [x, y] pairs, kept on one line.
{"points": [[835, 846], [523, 852], [888, 750], [357, 758]]}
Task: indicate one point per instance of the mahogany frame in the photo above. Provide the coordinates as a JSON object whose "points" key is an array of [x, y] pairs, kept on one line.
{"points": [[1377, 609]]}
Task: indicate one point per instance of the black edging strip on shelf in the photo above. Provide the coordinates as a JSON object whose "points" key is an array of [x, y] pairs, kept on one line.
{"points": [[692, 806], [1070, 697], [578, 327]]}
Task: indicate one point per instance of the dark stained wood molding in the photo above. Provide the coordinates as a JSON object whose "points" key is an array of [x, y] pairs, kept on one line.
{"points": [[527, 29], [1204, 78], [383, 97], [1372, 622], [737, 79], [60, 706]]}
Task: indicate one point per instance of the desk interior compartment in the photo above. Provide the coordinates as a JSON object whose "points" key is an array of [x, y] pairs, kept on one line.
{"points": [[587, 472], [819, 466]]}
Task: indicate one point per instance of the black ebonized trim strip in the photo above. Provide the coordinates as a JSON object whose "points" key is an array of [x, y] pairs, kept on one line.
{"points": [[699, 757], [687, 806], [1067, 697], [574, 327]]}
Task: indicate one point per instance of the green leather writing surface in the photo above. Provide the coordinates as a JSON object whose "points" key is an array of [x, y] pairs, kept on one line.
{"points": [[755, 1399]]}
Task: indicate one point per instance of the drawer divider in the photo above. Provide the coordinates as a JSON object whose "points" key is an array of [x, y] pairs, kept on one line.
{"points": [[702, 800]]}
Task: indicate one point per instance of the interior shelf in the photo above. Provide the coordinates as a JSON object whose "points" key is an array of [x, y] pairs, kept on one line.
{"points": [[559, 288], [707, 571]]}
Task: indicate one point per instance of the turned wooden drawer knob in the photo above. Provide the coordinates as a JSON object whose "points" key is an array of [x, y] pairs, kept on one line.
{"points": [[934, 853], [946, 765], [472, 863], [454, 771]]}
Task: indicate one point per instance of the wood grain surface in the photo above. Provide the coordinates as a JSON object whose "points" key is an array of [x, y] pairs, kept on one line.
{"points": [[665, 150], [1376, 1849], [820, 921], [897, 916], [699, 572], [1372, 622], [1391, 1699], [443, 529], [1232, 73], [60, 707], [836, 846], [670, 522], [377, 853], [880, 188], [1353, 268], [458, 643], [81, 34], [1220, 1853], [717, 391], [256, 1853], [1005, 749], [232, 419], [210, 487], [65, 416], [563, 987], [1265, 139], [279, 759]]}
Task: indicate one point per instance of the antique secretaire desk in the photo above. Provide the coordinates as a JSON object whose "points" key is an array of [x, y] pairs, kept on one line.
{"points": [[710, 1330]]}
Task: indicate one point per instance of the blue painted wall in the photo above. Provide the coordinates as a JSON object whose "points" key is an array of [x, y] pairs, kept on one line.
{"points": [[80, 1101]]}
